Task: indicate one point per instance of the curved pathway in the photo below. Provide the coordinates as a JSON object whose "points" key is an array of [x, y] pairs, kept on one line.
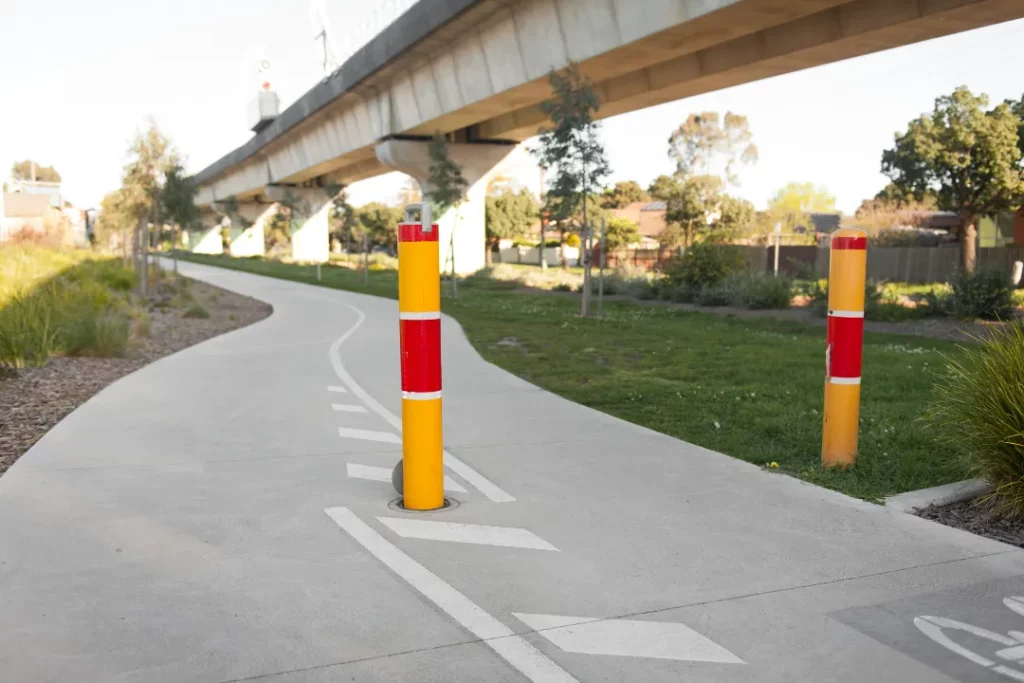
{"points": [[223, 515]]}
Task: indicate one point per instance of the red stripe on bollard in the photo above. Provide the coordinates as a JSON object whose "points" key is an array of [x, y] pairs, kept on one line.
{"points": [[849, 243], [844, 340], [421, 355], [413, 232]]}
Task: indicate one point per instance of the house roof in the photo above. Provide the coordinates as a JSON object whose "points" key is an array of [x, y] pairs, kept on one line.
{"points": [[25, 204]]}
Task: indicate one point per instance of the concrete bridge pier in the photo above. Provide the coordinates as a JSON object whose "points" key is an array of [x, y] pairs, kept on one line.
{"points": [[311, 209], [462, 231], [207, 239], [251, 240]]}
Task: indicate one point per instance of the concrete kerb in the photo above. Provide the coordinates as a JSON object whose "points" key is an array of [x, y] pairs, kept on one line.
{"points": [[913, 501]]}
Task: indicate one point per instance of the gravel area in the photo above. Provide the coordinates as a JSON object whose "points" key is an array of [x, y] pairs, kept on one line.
{"points": [[33, 400], [975, 516]]}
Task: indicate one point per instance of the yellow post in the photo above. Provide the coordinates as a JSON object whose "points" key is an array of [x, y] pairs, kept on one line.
{"points": [[419, 313], [844, 341]]}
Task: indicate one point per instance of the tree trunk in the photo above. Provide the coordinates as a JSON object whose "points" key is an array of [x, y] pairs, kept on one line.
{"points": [[488, 253], [969, 243], [543, 239]]}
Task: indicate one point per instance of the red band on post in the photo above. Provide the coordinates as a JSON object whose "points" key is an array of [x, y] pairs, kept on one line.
{"points": [[413, 232], [421, 355], [844, 340], [849, 242]]}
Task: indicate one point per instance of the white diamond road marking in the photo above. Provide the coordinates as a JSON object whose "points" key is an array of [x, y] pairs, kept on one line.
{"points": [[369, 435], [480, 534], [494, 634], [628, 638], [337, 390], [343, 408], [384, 474]]}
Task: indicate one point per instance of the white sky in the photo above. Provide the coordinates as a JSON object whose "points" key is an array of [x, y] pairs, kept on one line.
{"points": [[80, 77]]}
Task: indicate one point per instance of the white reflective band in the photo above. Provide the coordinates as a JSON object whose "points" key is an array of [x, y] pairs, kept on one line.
{"points": [[434, 315], [421, 395], [846, 314], [844, 380]]}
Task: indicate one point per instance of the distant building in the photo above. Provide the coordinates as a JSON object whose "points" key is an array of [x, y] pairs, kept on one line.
{"points": [[39, 207]]}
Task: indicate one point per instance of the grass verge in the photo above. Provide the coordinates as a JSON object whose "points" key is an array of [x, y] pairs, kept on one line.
{"points": [[750, 387]]}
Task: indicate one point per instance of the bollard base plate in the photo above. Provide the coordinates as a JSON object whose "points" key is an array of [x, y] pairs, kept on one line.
{"points": [[399, 505]]}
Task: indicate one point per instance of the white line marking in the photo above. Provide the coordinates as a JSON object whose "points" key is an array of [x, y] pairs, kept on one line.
{"points": [[846, 314], [480, 534], [343, 408], [510, 647], [628, 638], [384, 474], [433, 315], [474, 478], [337, 390], [421, 395], [368, 435], [844, 380]]}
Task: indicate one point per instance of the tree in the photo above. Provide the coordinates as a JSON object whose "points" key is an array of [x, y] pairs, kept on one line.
{"points": [[890, 208], [573, 150], [707, 145], [509, 215], [663, 187], [117, 222], [342, 217], [792, 203], [624, 193], [447, 190], [29, 170], [970, 158], [619, 233], [691, 210], [379, 221], [1017, 107], [178, 200]]}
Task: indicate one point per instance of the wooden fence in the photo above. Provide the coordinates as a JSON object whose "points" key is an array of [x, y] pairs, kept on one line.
{"points": [[918, 265]]}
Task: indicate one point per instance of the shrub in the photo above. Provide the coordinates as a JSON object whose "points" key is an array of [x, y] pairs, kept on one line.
{"points": [[573, 240], [196, 311], [90, 333], [629, 280], [28, 331], [985, 293], [705, 263], [978, 407], [748, 290]]}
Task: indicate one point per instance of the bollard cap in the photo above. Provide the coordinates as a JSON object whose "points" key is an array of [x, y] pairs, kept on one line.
{"points": [[849, 238], [414, 232]]}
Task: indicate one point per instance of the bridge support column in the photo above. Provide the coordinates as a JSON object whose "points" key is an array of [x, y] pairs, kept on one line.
{"points": [[462, 233], [251, 240], [311, 208], [207, 240]]}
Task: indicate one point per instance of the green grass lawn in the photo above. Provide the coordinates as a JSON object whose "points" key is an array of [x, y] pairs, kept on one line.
{"points": [[750, 387]]}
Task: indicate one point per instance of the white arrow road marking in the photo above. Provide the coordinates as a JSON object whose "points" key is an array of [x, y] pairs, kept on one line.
{"points": [[337, 390], [471, 476], [343, 408], [510, 647], [628, 638], [384, 474], [512, 537], [368, 435]]}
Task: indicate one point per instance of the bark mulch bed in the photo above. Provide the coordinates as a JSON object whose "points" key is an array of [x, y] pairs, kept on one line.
{"points": [[33, 400], [976, 517]]}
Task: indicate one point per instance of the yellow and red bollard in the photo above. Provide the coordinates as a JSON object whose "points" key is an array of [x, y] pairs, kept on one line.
{"points": [[843, 347], [419, 314]]}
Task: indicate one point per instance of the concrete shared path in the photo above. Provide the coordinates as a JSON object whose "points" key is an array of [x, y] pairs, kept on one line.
{"points": [[223, 515]]}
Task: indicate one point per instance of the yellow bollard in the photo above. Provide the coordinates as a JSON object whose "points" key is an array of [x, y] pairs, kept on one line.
{"points": [[843, 347], [419, 313]]}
